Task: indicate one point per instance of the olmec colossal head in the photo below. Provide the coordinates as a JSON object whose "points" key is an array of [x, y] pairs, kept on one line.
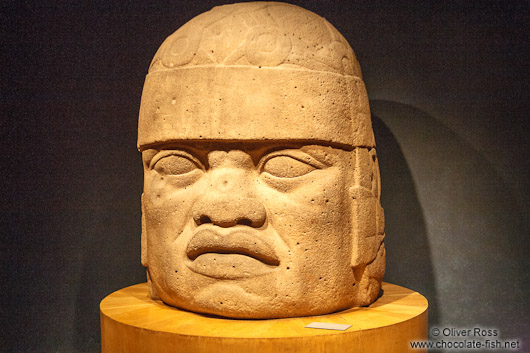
{"points": [[261, 195]]}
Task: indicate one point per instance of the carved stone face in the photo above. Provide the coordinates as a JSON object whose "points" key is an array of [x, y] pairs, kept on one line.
{"points": [[261, 194], [243, 230]]}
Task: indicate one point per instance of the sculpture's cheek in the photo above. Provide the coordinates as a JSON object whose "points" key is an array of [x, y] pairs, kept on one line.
{"points": [[314, 208], [313, 221], [168, 202]]}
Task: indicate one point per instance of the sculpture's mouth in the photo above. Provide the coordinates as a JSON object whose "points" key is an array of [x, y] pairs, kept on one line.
{"points": [[237, 254]]}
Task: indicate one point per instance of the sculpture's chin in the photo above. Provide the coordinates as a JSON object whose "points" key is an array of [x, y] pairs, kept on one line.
{"points": [[232, 301]]}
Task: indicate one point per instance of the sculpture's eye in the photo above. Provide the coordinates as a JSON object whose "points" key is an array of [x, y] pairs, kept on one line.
{"points": [[285, 166], [174, 164]]}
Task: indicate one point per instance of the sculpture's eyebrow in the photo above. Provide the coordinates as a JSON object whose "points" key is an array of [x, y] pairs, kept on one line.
{"points": [[175, 152], [299, 154]]}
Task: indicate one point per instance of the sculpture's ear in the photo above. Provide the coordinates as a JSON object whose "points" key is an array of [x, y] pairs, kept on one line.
{"points": [[144, 237], [364, 207], [368, 250]]}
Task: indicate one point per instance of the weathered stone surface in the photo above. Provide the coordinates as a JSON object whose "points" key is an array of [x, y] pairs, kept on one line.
{"points": [[261, 194]]}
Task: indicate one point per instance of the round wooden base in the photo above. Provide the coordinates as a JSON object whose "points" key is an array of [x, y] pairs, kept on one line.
{"points": [[131, 322]]}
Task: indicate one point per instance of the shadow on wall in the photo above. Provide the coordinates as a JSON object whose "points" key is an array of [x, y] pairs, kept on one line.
{"points": [[455, 232], [408, 257]]}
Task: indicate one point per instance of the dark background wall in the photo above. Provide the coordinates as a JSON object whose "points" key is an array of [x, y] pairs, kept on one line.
{"points": [[449, 89]]}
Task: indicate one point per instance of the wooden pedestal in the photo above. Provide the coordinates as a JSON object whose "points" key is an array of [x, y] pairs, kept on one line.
{"points": [[131, 322]]}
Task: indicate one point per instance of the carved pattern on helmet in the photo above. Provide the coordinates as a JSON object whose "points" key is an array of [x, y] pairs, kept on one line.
{"points": [[258, 34]]}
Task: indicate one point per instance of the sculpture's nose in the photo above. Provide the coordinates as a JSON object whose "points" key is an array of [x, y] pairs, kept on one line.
{"points": [[228, 211], [229, 200]]}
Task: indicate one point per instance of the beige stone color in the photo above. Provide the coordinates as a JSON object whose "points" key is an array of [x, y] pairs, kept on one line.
{"points": [[261, 194]]}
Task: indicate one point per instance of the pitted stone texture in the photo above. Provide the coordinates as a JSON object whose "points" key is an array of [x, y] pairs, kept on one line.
{"points": [[267, 34], [262, 186], [220, 103]]}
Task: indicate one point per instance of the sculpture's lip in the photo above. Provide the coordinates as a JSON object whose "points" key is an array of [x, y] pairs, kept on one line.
{"points": [[229, 266], [236, 242]]}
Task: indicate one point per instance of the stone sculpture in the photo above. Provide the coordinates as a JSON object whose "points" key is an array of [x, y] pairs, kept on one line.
{"points": [[261, 194]]}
